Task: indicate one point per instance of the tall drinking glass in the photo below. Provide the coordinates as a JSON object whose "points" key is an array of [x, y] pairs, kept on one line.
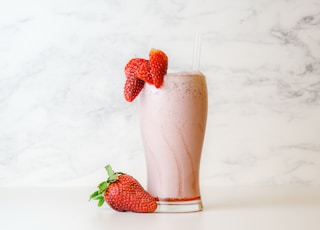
{"points": [[173, 122]]}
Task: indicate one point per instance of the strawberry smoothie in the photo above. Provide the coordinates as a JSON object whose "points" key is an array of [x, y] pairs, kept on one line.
{"points": [[173, 121]]}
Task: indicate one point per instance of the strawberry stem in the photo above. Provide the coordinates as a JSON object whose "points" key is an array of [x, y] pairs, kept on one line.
{"points": [[103, 186]]}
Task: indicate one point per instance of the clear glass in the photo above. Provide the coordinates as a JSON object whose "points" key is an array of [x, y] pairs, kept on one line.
{"points": [[173, 122]]}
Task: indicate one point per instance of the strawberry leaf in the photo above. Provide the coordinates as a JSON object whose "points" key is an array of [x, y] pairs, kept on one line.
{"points": [[101, 201], [93, 195], [96, 195], [103, 186]]}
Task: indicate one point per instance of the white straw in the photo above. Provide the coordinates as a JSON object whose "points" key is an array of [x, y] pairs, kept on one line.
{"points": [[196, 52]]}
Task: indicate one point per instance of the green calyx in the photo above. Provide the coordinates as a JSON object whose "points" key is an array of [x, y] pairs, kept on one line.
{"points": [[103, 186]]}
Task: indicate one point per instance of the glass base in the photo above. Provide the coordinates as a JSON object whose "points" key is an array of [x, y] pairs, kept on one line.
{"points": [[180, 206]]}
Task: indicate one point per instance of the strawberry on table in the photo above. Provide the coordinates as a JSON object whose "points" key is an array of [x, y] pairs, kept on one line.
{"points": [[158, 66], [123, 193]]}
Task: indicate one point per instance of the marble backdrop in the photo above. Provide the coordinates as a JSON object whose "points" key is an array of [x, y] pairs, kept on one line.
{"points": [[62, 112]]}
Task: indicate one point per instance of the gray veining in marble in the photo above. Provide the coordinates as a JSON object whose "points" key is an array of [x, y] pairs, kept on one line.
{"points": [[63, 115]]}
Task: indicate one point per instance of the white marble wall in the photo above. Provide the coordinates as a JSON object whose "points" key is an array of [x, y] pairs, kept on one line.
{"points": [[63, 115]]}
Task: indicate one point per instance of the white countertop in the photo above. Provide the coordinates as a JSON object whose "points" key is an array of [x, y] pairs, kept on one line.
{"points": [[224, 208]]}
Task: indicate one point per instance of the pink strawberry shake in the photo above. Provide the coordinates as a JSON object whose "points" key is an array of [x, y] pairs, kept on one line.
{"points": [[173, 122]]}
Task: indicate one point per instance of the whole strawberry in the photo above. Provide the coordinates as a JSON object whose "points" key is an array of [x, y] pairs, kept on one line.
{"points": [[123, 193]]}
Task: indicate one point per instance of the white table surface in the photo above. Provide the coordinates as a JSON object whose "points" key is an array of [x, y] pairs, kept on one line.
{"points": [[285, 208]]}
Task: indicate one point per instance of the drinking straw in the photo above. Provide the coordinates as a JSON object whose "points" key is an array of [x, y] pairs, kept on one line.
{"points": [[196, 52]]}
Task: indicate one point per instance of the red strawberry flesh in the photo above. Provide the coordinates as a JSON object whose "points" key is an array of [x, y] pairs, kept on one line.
{"points": [[132, 66], [158, 66], [132, 88], [143, 72], [139, 70]]}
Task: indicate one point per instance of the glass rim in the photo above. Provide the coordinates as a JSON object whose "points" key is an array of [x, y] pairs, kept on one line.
{"points": [[185, 73]]}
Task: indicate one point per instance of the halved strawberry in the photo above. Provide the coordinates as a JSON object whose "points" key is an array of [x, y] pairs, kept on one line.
{"points": [[132, 66], [158, 66], [132, 88], [139, 70], [143, 72], [123, 193]]}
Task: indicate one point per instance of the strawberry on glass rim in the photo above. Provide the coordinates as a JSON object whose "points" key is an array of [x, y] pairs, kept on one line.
{"points": [[151, 71], [158, 66]]}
